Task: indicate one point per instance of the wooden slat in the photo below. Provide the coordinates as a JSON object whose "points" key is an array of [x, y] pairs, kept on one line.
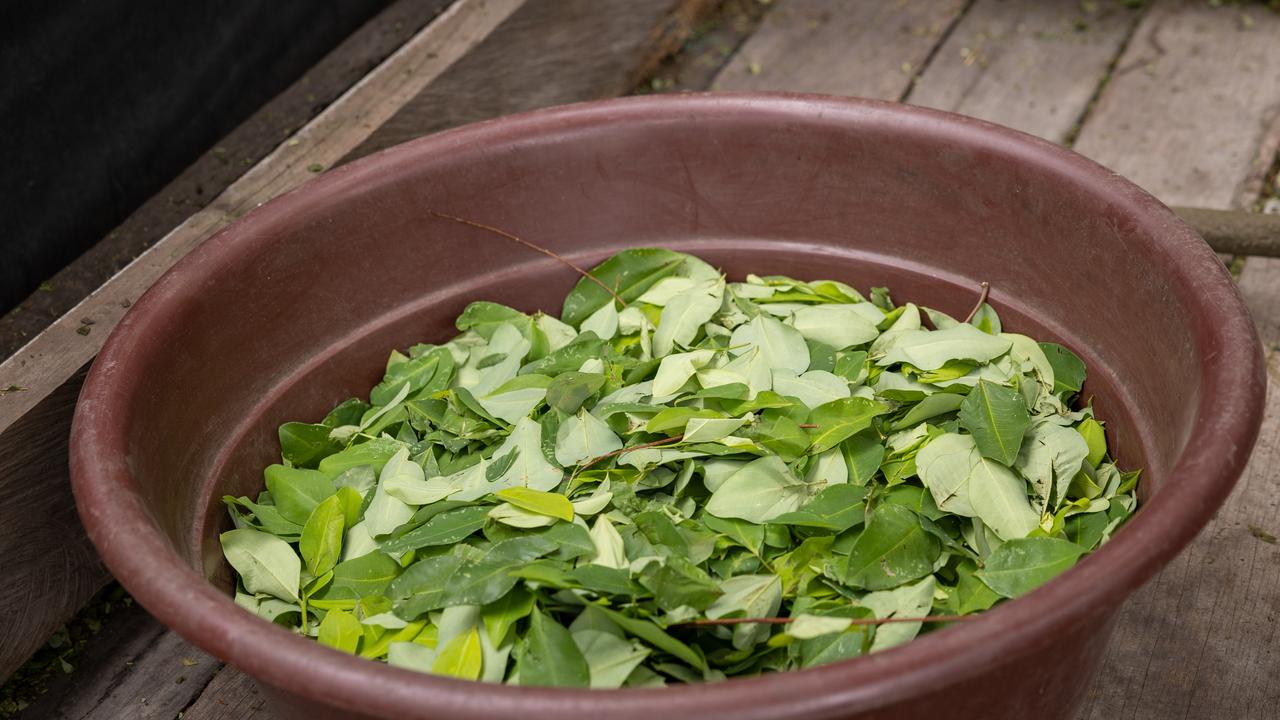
{"points": [[870, 49], [134, 669], [1191, 104], [546, 53], [1187, 115], [231, 696], [1027, 64], [33, 481]]}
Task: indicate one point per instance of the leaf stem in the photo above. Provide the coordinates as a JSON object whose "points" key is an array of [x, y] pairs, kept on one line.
{"points": [[642, 446], [982, 297], [537, 248]]}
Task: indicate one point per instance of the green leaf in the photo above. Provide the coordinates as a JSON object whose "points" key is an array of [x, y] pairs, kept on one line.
{"points": [[265, 563], [1095, 438], [1068, 369], [964, 482], [839, 326], [567, 391], [465, 577], [375, 452], [304, 445], [361, 577], [431, 371], [460, 657], [584, 437], [683, 317], [297, 492], [1021, 565], [781, 347], [530, 468], [841, 419], [610, 658], [340, 630], [386, 512], [907, 601], [747, 534], [550, 656], [655, 636], [629, 274], [675, 582], [971, 594], [836, 508], [501, 615], [676, 370], [893, 549], [535, 501], [931, 349], [750, 596], [762, 490], [446, 528], [1050, 457], [321, 542], [997, 418]]}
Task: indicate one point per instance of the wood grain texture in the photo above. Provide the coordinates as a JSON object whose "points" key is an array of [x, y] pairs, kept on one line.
{"points": [[50, 570], [230, 696], [1189, 115], [1191, 104], [548, 52], [135, 669], [869, 49], [1027, 64]]}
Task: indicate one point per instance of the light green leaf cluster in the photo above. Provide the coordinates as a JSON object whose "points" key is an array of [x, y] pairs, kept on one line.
{"points": [[609, 498]]}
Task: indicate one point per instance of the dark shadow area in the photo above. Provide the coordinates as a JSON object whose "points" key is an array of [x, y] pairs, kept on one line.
{"points": [[103, 102]]}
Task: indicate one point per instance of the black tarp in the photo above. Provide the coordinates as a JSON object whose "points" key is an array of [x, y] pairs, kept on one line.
{"points": [[102, 102]]}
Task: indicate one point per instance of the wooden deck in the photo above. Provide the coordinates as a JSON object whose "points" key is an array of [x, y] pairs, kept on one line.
{"points": [[1179, 96]]}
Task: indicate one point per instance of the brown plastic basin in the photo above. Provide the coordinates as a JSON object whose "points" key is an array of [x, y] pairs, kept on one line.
{"points": [[294, 308]]}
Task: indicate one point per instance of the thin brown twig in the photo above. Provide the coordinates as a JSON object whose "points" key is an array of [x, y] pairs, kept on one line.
{"points": [[852, 621], [807, 426], [982, 297], [531, 246], [641, 446]]}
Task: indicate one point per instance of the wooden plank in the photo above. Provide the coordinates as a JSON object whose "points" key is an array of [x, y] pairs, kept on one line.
{"points": [[546, 53], [33, 447], [709, 48], [231, 696], [1190, 115], [1197, 84], [217, 168], [135, 669], [871, 49], [50, 568], [1027, 64]]}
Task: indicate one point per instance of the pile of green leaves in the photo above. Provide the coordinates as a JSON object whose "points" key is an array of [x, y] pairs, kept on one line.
{"points": [[568, 502]]}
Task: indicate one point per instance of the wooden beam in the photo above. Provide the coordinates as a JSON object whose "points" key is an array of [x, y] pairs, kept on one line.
{"points": [[39, 383]]}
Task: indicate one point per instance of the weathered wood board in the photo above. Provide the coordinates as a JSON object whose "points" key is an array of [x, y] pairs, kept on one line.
{"points": [[1027, 64], [1189, 115], [870, 49], [546, 53]]}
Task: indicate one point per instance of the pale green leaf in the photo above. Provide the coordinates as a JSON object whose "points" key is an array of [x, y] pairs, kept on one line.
{"points": [[265, 563]]}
